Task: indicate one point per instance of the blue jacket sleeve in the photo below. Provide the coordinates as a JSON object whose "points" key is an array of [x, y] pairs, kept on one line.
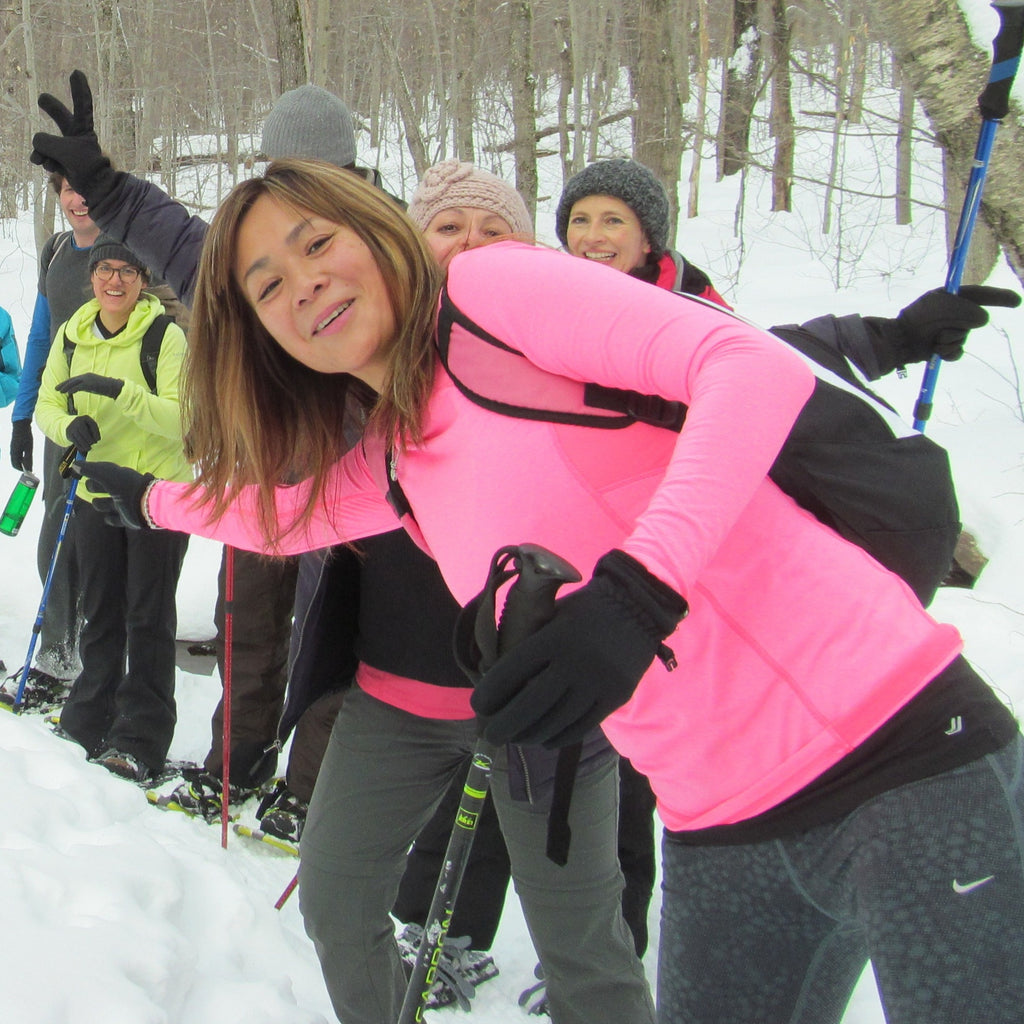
{"points": [[10, 361], [37, 348]]}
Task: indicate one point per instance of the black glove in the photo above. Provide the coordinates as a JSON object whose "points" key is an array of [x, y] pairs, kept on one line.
{"points": [[75, 153], [556, 685], [21, 445], [126, 488], [94, 383], [938, 322], [83, 433]]}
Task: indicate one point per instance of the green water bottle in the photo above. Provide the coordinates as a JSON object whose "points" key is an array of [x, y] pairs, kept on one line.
{"points": [[17, 506]]}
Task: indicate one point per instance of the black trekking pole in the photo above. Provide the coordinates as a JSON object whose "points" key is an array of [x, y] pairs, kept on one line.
{"points": [[37, 626], [992, 103], [529, 604]]}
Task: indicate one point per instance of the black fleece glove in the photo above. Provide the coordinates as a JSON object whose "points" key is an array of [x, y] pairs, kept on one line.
{"points": [[75, 153], [83, 433], [21, 445], [94, 383], [556, 685], [126, 488], [938, 322]]}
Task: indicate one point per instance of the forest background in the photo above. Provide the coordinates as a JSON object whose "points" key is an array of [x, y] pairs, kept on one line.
{"points": [[534, 91]]}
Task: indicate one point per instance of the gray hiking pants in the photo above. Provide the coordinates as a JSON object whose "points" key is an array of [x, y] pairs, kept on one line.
{"points": [[382, 777], [926, 880]]}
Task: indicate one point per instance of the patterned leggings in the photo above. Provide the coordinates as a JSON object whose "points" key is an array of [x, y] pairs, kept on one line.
{"points": [[926, 881]]}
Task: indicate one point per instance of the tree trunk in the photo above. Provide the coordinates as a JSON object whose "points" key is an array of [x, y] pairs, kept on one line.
{"points": [[740, 88], [465, 80], [703, 61], [658, 126], [291, 46], [933, 45], [407, 110], [904, 151], [322, 42], [782, 110], [524, 104]]}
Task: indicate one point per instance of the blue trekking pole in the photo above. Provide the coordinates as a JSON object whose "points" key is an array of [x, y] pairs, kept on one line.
{"points": [[993, 104], [38, 624]]}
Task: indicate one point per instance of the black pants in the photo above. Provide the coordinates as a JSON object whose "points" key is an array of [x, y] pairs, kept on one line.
{"points": [[261, 625], [124, 696]]}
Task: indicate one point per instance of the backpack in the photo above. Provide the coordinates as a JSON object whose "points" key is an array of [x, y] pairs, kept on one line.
{"points": [[848, 459], [149, 352]]}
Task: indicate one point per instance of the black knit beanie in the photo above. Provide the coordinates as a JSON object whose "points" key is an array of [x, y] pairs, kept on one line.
{"points": [[627, 180], [108, 248]]}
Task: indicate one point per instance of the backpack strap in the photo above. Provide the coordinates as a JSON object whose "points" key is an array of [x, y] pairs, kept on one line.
{"points": [[62, 239], [495, 368], [149, 351]]}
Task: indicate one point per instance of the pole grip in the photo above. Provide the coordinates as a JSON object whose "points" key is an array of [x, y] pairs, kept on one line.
{"points": [[994, 100]]}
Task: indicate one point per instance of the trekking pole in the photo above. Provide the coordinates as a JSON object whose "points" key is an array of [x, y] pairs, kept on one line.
{"points": [[288, 890], [530, 603], [225, 742], [993, 104], [48, 582]]}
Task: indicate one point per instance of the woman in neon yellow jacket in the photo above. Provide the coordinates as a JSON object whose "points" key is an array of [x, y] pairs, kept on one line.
{"points": [[110, 388]]}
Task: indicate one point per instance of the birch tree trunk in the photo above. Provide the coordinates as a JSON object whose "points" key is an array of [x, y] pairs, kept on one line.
{"points": [[932, 43]]}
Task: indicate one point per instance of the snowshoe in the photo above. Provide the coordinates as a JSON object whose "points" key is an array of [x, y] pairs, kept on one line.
{"points": [[282, 814], [128, 766], [43, 692], [259, 836], [199, 795], [534, 1000], [459, 969]]}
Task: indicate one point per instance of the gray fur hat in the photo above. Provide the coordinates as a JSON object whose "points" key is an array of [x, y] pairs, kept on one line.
{"points": [[627, 180], [310, 122]]}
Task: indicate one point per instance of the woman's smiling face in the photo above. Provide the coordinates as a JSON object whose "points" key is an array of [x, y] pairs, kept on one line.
{"points": [[317, 289], [604, 229]]}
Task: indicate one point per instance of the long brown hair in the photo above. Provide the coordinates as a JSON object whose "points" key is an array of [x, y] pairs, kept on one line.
{"points": [[255, 415]]}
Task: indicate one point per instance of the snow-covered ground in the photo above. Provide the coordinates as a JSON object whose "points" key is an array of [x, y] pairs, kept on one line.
{"points": [[114, 912]]}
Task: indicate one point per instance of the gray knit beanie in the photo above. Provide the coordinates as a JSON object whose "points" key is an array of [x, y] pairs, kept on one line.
{"points": [[452, 183], [108, 248], [310, 122], [627, 180]]}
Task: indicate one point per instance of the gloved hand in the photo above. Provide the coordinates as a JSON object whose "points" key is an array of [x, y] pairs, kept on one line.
{"points": [[83, 433], [94, 383], [75, 153], [21, 445], [556, 685], [126, 488], [938, 323]]}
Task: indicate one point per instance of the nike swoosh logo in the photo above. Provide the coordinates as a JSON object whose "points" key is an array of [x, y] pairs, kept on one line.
{"points": [[961, 888]]}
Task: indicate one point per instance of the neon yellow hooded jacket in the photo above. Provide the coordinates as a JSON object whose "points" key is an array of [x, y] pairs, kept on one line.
{"points": [[137, 429]]}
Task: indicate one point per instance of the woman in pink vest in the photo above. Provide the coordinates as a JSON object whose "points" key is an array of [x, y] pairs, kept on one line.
{"points": [[836, 781]]}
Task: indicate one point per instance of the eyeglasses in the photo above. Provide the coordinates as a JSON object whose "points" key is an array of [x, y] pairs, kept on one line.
{"points": [[104, 271]]}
